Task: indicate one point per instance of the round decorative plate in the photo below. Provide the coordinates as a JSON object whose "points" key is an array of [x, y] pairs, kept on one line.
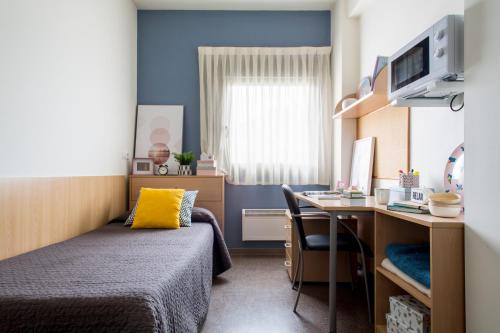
{"points": [[365, 87], [454, 172]]}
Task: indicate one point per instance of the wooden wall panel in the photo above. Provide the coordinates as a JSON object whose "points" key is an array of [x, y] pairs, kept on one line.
{"points": [[391, 128], [35, 212]]}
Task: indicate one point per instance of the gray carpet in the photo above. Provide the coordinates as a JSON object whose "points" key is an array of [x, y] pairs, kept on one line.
{"points": [[256, 296]]}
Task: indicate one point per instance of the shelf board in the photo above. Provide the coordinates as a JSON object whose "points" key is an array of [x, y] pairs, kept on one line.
{"points": [[368, 104], [381, 329], [372, 102], [406, 286], [426, 220]]}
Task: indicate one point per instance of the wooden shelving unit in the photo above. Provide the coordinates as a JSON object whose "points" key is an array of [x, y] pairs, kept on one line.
{"points": [[374, 101], [447, 277], [446, 238]]}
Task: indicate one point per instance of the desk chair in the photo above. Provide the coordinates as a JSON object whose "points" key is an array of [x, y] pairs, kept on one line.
{"points": [[347, 242]]}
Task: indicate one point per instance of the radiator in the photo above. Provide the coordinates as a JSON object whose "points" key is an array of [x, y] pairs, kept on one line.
{"points": [[263, 224]]}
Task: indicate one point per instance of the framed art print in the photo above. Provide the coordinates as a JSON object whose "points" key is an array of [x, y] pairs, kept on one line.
{"points": [[362, 164], [142, 166], [158, 133]]}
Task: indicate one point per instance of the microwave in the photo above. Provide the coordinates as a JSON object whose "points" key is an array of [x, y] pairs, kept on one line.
{"points": [[431, 65]]}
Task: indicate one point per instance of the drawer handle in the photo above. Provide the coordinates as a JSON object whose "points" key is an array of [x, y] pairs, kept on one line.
{"points": [[288, 263], [287, 226], [288, 245]]}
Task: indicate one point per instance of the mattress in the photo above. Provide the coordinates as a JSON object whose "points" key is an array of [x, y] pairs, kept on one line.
{"points": [[114, 279]]}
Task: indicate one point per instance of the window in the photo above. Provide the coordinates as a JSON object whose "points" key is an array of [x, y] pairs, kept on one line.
{"points": [[275, 123]]}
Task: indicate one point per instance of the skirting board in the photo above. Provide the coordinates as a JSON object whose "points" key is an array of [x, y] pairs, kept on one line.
{"points": [[36, 212], [257, 252]]}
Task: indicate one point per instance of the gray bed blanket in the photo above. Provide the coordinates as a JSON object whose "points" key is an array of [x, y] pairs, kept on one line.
{"points": [[221, 259], [115, 279]]}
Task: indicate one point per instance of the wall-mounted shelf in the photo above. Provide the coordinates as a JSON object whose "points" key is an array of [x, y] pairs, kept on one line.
{"points": [[374, 101], [368, 104]]}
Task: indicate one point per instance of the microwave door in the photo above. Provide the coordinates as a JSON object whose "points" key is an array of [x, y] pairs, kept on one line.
{"points": [[410, 66]]}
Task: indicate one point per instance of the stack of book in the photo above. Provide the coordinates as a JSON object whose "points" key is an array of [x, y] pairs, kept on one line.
{"points": [[408, 207], [206, 168], [353, 198], [323, 195]]}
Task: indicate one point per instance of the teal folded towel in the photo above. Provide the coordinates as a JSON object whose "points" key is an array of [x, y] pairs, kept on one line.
{"points": [[412, 259]]}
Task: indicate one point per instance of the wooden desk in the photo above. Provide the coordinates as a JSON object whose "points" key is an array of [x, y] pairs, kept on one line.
{"points": [[445, 236]]}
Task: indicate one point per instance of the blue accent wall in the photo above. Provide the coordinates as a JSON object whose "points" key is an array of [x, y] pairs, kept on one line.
{"points": [[167, 73]]}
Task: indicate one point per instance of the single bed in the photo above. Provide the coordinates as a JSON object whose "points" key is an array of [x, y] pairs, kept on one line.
{"points": [[115, 279]]}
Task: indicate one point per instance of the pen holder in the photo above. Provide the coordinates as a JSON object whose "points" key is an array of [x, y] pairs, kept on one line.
{"points": [[408, 180]]}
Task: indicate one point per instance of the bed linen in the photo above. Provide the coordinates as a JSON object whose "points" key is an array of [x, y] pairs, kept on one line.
{"points": [[115, 279], [412, 259], [387, 264]]}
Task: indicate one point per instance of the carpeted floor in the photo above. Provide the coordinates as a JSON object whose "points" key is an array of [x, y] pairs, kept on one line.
{"points": [[256, 296]]}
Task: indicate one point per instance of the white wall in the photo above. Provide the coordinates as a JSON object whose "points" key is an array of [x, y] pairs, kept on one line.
{"points": [[345, 68], [482, 233], [385, 26], [67, 86]]}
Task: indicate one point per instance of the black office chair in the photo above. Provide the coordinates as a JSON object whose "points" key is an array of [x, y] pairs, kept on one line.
{"points": [[346, 242]]}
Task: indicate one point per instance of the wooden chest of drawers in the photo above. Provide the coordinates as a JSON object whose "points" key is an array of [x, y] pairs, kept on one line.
{"points": [[210, 190]]}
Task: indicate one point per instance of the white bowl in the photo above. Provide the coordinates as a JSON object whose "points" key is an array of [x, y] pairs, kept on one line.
{"points": [[446, 198], [439, 204], [445, 211]]}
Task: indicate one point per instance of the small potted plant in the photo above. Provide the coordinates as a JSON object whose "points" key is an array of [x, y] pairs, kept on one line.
{"points": [[184, 160]]}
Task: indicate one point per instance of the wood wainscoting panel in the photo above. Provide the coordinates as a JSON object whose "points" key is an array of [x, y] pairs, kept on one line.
{"points": [[36, 212], [391, 128]]}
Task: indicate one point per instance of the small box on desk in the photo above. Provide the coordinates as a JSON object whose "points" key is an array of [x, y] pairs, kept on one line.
{"points": [[353, 201], [399, 194]]}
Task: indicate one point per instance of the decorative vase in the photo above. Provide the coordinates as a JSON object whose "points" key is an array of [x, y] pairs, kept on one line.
{"points": [[185, 170]]}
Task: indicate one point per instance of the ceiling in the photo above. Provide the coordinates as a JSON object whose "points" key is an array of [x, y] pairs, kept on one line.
{"points": [[235, 4]]}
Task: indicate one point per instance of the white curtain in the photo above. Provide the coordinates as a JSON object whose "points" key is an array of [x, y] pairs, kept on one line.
{"points": [[265, 113]]}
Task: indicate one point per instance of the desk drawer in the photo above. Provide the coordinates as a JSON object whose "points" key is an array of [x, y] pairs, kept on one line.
{"points": [[288, 250], [209, 188]]}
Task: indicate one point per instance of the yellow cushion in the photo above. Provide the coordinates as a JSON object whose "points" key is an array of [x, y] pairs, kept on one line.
{"points": [[158, 208]]}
